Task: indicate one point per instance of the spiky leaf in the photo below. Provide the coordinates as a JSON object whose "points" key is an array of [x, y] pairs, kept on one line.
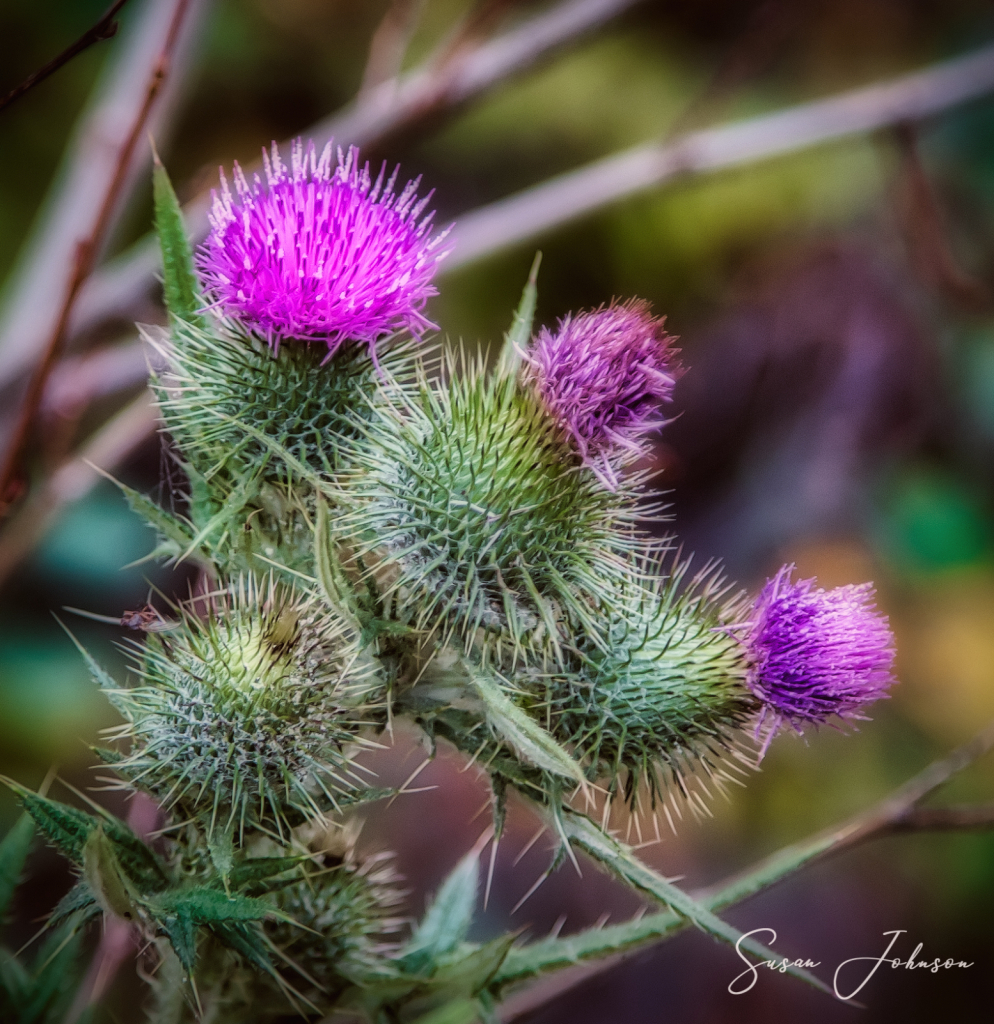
{"points": [[516, 339], [180, 286], [447, 921], [13, 854], [525, 736]]}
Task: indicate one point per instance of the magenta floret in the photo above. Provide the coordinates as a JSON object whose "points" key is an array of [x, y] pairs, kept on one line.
{"points": [[320, 252], [817, 653], [603, 375]]}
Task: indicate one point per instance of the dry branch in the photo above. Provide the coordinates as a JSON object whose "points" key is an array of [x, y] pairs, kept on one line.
{"points": [[32, 292], [105, 28], [87, 247], [567, 197]]}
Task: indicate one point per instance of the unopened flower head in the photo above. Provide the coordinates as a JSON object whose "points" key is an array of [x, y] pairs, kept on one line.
{"points": [[321, 252], [817, 653], [603, 375]]}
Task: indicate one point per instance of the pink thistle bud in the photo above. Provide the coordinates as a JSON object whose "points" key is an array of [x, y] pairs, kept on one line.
{"points": [[603, 376], [321, 252]]}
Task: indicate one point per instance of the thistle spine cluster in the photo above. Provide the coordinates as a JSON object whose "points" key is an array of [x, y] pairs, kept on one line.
{"points": [[463, 547]]}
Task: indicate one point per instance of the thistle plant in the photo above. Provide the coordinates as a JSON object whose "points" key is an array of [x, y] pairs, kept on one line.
{"points": [[385, 530]]}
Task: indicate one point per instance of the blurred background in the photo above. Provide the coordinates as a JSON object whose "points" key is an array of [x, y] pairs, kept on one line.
{"points": [[835, 310]]}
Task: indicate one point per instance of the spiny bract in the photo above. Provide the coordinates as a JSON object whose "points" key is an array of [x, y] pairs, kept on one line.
{"points": [[481, 514], [348, 924], [223, 389], [257, 705], [665, 695]]}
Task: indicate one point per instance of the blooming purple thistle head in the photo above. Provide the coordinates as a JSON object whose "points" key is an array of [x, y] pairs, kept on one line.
{"points": [[321, 252], [816, 653], [603, 375]]}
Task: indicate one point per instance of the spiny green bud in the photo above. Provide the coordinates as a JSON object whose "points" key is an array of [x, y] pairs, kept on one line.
{"points": [[482, 514], [662, 699], [249, 714], [350, 924], [225, 388]]}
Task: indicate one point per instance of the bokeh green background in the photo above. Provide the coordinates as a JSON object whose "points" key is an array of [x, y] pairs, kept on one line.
{"points": [[838, 412]]}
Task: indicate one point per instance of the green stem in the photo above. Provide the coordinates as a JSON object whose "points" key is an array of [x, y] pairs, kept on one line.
{"points": [[887, 815], [621, 861]]}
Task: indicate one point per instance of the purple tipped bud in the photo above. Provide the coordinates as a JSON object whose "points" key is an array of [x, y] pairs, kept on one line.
{"points": [[817, 653], [321, 252], [603, 376]]}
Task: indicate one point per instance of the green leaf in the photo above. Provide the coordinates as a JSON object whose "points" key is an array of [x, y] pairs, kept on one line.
{"points": [[167, 525], [247, 940], [206, 906], [57, 978], [220, 845], [233, 505], [461, 1011], [69, 828], [447, 920], [524, 734], [334, 585], [13, 853], [182, 934], [79, 897], [470, 974], [15, 982], [517, 337], [180, 285], [253, 870], [104, 876]]}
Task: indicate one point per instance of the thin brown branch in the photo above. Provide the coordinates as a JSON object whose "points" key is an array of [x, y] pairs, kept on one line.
{"points": [[86, 254], [926, 233], [32, 292], [105, 28], [531, 213]]}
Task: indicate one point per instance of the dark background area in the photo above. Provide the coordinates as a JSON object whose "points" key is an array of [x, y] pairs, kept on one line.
{"points": [[836, 312]]}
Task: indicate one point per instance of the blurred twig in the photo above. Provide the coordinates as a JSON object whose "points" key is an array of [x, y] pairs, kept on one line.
{"points": [[569, 196], [897, 812], [926, 231], [105, 28], [415, 98], [32, 292], [108, 448], [87, 249], [389, 43]]}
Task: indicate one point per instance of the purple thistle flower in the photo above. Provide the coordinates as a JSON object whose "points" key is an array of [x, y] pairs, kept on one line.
{"points": [[816, 653], [321, 252], [603, 375]]}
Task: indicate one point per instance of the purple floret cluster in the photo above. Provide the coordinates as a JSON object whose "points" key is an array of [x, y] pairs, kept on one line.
{"points": [[817, 653], [603, 375], [320, 252]]}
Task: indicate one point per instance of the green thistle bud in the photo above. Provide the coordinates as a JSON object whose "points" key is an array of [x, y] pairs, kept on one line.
{"points": [[350, 924], [482, 514], [664, 698], [226, 390], [251, 714]]}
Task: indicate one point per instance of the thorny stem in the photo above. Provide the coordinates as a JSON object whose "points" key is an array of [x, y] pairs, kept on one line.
{"points": [[86, 254], [897, 812], [621, 861]]}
